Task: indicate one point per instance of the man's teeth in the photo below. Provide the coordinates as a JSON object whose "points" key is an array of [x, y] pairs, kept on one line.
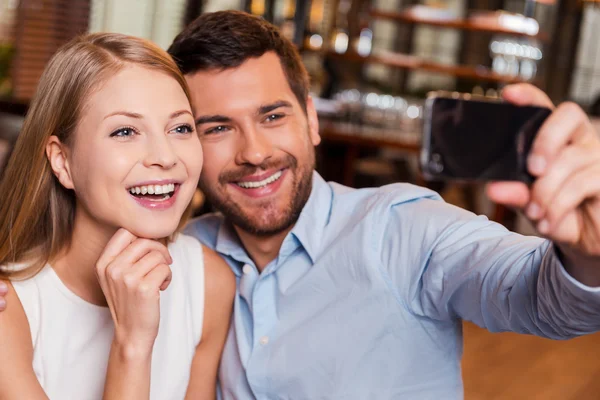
{"points": [[153, 189], [259, 184]]}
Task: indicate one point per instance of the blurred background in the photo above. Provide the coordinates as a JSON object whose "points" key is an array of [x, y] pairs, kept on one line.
{"points": [[372, 62]]}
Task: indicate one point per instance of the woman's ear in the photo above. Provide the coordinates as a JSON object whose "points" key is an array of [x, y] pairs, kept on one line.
{"points": [[57, 155]]}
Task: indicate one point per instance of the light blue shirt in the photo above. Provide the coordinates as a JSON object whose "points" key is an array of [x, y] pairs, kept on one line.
{"points": [[366, 297]]}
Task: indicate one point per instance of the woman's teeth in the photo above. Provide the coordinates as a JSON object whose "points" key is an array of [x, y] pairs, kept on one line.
{"points": [[153, 189], [259, 184]]}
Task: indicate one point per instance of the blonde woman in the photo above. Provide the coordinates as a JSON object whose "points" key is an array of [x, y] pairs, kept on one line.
{"points": [[109, 300]]}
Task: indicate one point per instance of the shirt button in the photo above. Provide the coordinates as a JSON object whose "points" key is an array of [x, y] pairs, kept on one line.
{"points": [[247, 269], [264, 340]]}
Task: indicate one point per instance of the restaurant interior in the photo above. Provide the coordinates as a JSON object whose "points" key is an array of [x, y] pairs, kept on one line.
{"points": [[372, 65]]}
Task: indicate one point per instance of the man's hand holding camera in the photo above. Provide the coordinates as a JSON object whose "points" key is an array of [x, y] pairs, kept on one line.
{"points": [[564, 200]]}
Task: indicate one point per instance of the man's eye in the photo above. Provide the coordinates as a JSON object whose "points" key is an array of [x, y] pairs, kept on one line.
{"points": [[124, 132], [183, 129], [274, 117], [216, 129]]}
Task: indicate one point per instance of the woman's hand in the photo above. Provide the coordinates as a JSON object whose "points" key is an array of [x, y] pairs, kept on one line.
{"points": [[132, 272]]}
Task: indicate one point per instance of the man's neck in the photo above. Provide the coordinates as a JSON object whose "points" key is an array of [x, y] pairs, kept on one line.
{"points": [[262, 249]]}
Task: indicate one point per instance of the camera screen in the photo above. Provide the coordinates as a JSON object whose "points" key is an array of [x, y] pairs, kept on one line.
{"points": [[479, 140]]}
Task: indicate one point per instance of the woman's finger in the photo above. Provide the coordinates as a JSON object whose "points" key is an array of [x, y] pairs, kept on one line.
{"points": [[141, 268], [139, 248], [156, 279], [115, 246]]}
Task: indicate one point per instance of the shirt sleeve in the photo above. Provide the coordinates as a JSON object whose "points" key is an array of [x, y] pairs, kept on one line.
{"points": [[446, 263]]}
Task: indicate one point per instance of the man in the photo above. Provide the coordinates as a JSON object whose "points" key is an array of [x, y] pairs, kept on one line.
{"points": [[360, 294]]}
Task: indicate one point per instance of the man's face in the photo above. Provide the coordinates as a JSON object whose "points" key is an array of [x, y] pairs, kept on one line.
{"points": [[258, 144]]}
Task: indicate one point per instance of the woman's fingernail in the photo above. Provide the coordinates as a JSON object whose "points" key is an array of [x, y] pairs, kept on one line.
{"points": [[3, 287], [537, 164], [533, 211], [2, 304], [543, 227]]}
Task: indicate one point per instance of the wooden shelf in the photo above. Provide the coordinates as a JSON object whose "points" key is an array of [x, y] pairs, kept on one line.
{"points": [[13, 106], [412, 62], [332, 133], [353, 139], [461, 24]]}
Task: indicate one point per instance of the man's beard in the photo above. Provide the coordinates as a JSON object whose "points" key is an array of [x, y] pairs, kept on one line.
{"points": [[262, 225]]}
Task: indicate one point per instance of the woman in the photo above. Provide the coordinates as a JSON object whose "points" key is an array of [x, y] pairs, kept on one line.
{"points": [[94, 193]]}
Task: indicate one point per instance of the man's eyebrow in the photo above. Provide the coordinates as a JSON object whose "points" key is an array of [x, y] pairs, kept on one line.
{"points": [[207, 119], [273, 106]]}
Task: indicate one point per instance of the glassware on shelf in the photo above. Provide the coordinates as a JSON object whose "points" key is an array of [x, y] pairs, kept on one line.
{"points": [[379, 116], [515, 57], [364, 44]]}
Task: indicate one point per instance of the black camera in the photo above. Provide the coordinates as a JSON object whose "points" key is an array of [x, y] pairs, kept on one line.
{"points": [[469, 138]]}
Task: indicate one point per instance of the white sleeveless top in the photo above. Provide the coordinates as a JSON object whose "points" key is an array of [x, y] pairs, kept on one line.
{"points": [[72, 338]]}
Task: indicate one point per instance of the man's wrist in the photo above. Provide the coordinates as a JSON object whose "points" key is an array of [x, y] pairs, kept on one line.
{"points": [[584, 268]]}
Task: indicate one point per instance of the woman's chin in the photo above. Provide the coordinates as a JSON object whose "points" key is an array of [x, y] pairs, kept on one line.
{"points": [[146, 232]]}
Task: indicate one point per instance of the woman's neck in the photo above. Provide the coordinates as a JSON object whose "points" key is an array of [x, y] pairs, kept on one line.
{"points": [[76, 266]]}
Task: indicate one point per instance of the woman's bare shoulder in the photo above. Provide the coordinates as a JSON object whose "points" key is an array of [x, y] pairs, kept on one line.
{"points": [[219, 275], [17, 378]]}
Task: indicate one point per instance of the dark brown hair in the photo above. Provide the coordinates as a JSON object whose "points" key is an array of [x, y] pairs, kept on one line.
{"points": [[225, 39]]}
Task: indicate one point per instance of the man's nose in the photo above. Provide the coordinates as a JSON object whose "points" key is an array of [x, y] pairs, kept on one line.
{"points": [[255, 147]]}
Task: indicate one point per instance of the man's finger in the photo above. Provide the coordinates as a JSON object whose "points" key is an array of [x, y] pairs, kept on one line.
{"points": [[512, 194], [573, 159], [580, 186], [568, 123], [524, 94]]}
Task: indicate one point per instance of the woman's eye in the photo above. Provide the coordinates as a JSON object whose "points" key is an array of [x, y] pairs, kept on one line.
{"points": [[123, 132], [183, 129]]}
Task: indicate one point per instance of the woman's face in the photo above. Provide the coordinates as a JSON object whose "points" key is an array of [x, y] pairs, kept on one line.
{"points": [[136, 158]]}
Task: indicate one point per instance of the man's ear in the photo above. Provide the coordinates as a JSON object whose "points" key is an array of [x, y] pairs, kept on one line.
{"points": [[57, 155], [313, 121]]}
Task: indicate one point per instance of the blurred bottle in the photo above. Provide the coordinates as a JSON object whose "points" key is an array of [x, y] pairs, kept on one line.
{"points": [[364, 42]]}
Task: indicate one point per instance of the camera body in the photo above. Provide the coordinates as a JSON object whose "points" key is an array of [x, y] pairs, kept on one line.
{"points": [[475, 138]]}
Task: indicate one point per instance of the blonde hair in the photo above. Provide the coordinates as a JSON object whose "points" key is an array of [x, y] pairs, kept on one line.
{"points": [[36, 211]]}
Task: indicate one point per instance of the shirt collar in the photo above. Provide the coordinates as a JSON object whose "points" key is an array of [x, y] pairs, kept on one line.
{"points": [[314, 217], [228, 243], [308, 230]]}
